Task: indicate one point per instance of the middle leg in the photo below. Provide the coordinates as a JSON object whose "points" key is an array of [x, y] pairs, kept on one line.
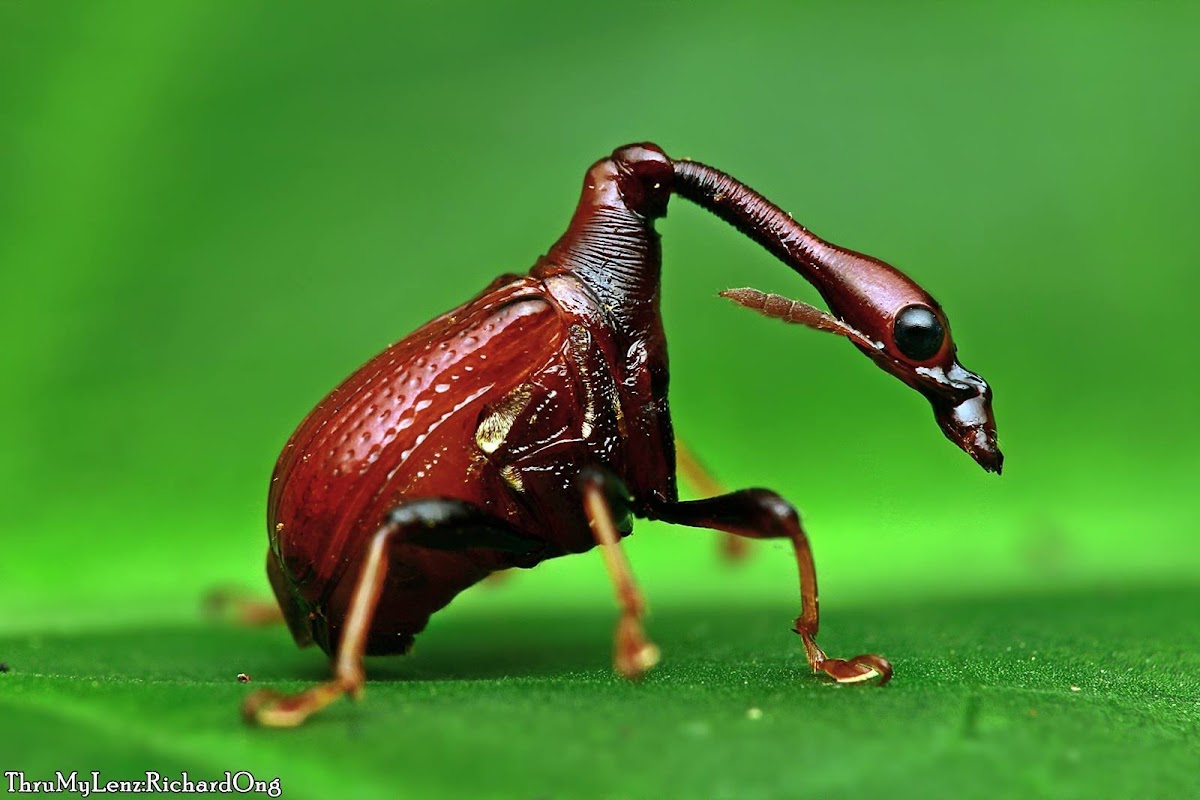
{"points": [[633, 653]]}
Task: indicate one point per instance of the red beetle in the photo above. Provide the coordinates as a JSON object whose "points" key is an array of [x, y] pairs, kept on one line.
{"points": [[532, 422]]}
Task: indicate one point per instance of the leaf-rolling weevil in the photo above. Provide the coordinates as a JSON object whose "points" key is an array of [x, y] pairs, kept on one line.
{"points": [[532, 422]]}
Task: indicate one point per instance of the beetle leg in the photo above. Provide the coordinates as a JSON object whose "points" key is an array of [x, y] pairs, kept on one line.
{"points": [[633, 653], [733, 548], [275, 709], [762, 514], [241, 607], [430, 522]]}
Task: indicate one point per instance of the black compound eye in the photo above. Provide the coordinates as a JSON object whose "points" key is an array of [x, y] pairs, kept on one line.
{"points": [[919, 334]]}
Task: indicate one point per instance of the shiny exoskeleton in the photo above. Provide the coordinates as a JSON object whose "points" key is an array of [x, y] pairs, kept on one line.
{"points": [[532, 422]]}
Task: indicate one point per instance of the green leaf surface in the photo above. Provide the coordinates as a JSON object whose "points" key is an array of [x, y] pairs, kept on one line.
{"points": [[1054, 695], [210, 213]]}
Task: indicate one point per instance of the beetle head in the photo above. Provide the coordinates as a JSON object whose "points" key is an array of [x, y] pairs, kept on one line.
{"points": [[906, 333], [644, 176], [884, 313]]}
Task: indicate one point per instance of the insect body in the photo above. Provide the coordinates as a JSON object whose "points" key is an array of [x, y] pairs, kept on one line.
{"points": [[532, 422]]}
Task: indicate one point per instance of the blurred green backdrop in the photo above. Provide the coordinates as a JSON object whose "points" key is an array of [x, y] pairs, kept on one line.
{"points": [[212, 211]]}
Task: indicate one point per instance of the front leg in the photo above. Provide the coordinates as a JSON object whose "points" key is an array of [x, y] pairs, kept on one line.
{"points": [[763, 514]]}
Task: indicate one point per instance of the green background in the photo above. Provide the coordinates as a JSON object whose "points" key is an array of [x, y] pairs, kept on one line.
{"points": [[211, 212]]}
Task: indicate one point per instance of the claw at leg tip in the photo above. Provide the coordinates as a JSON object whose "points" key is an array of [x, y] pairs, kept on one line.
{"points": [[270, 709], [634, 663], [860, 678], [648, 658]]}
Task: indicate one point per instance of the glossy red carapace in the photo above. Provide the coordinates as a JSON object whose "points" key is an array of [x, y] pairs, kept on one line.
{"points": [[532, 422]]}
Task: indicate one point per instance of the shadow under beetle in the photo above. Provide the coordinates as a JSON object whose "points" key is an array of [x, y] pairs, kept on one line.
{"points": [[532, 422]]}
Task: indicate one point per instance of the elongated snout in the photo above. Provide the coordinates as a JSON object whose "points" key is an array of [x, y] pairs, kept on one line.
{"points": [[962, 405], [887, 315]]}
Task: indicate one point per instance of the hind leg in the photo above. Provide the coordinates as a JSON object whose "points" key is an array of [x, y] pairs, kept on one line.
{"points": [[436, 523], [240, 606]]}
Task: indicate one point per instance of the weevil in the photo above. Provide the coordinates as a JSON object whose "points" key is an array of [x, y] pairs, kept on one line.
{"points": [[532, 422]]}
